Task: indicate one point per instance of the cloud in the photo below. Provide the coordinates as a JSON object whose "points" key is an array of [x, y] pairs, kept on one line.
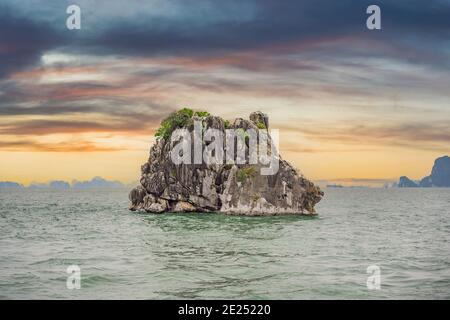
{"points": [[215, 30], [66, 146], [23, 41], [414, 135], [102, 107], [149, 58], [140, 124], [231, 28]]}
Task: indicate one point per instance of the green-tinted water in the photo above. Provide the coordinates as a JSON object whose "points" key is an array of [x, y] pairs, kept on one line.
{"points": [[406, 232]]}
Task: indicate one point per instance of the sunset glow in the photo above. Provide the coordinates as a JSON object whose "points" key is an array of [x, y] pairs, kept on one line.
{"points": [[351, 104]]}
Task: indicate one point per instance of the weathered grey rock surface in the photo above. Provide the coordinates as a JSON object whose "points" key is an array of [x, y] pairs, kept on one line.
{"points": [[226, 188]]}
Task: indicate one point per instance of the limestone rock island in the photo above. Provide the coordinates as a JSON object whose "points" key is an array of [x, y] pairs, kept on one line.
{"points": [[225, 188]]}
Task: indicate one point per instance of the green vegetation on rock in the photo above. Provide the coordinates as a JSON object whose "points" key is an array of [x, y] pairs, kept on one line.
{"points": [[243, 173], [202, 114], [176, 120], [261, 125]]}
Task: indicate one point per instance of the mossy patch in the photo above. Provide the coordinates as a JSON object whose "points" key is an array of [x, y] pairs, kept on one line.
{"points": [[243, 173], [202, 114], [261, 125], [178, 119]]}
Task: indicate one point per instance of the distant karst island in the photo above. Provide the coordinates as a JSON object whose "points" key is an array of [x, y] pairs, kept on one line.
{"points": [[96, 182], [439, 177], [231, 187]]}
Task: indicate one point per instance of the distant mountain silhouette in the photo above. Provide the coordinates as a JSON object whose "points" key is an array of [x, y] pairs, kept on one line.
{"points": [[9, 184], [440, 174], [96, 182], [38, 185], [439, 177], [405, 182], [426, 182], [57, 184], [335, 186]]}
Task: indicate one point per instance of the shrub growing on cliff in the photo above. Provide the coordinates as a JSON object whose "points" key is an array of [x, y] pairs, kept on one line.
{"points": [[202, 114], [174, 120], [243, 173], [261, 125], [181, 118]]}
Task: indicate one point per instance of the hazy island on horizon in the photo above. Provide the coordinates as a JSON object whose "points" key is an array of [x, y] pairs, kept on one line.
{"points": [[95, 182], [439, 177]]}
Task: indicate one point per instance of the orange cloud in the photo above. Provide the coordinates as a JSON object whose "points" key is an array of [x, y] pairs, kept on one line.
{"points": [[46, 127], [34, 146], [413, 135]]}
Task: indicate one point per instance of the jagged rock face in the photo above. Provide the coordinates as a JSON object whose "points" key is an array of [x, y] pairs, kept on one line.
{"points": [[405, 182], [228, 188]]}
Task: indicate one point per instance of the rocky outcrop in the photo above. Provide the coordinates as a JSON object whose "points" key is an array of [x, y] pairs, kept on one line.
{"points": [[405, 182], [229, 187], [439, 177]]}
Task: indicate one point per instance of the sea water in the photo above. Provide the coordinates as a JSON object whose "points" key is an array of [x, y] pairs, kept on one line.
{"points": [[405, 233]]}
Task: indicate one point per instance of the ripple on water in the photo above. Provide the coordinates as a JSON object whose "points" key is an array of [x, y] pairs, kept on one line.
{"points": [[123, 254]]}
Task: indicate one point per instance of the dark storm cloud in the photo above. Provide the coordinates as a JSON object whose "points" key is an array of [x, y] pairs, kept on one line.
{"points": [[273, 23], [23, 41], [419, 29], [276, 23]]}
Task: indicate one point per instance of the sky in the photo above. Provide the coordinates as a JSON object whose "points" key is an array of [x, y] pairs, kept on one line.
{"points": [[354, 105]]}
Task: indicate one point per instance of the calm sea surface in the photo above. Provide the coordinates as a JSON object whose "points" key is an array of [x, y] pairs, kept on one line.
{"points": [[405, 232]]}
